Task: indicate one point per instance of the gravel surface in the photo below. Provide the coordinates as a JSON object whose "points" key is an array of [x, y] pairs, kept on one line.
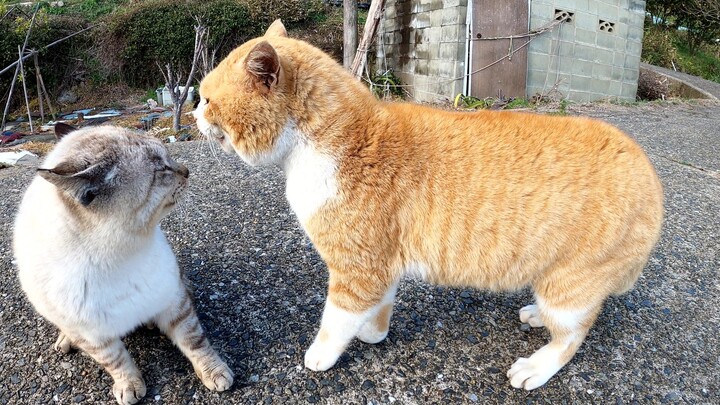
{"points": [[260, 287]]}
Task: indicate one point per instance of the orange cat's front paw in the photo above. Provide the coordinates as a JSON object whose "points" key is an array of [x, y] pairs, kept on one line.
{"points": [[320, 357], [533, 372]]}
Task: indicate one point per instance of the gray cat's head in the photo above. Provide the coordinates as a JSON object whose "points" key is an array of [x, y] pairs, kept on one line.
{"points": [[114, 175]]}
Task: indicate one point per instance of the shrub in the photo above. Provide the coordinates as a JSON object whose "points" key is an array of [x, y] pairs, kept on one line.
{"points": [[658, 48], [135, 39], [59, 64], [291, 12]]}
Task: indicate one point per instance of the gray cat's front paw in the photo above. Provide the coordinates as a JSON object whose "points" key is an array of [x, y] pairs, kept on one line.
{"points": [[218, 378], [129, 390], [62, 344]]}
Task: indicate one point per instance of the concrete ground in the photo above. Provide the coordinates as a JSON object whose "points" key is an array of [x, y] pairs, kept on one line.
{"points": [[259, 288]]}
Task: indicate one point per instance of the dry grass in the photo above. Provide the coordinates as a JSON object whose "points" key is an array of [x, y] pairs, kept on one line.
{"points": [[38, 148]]}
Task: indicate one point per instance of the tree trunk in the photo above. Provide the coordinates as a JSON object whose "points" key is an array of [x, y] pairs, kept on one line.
{"points": [[350, 31]]}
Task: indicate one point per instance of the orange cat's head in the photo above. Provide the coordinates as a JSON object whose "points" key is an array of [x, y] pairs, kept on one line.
{"points": [[245, 101]]}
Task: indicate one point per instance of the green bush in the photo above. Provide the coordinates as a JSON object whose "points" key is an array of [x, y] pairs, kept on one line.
{"points": [[134, 40], [60, 64], [291, 12], [658, 48]]}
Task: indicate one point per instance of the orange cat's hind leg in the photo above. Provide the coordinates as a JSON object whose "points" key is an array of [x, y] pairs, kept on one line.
{"points": [[530, 315], [568, 327], [567, 304], [354, 307]]}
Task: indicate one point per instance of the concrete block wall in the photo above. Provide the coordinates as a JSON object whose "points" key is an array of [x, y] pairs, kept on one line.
{"points": [[423, 41], [581, 60]]}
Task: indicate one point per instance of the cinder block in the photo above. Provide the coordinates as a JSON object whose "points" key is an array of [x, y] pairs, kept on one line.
{"points": [[630, 75], [566, 32], [633, 48], [564, 48], [599, 86], [421, 36], [434, 51], [449, 51], [635, 34], [632, 61], [629, 91], [454, 15], [541, 12], [446, 69], [581, 96], [617, 74], [603, 56], [579, 67], [584, 36], [436, 18], [607, 12], [605, 40], [601, 71], [434, 34], [620, 44], [421, 67], [539, 61], [621, 30], [421, 20], [586, 21], [585, 52], [537, 78], [542, 44], [581, 83], [421, 51], [454, 3], [452, 33], [619, 59], [614, 88]]}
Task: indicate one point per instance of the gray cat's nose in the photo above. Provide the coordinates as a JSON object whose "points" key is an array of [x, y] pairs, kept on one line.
{"points": [[183, 171]]}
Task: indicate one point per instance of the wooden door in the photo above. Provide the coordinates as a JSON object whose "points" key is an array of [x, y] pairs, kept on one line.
{"points": [[491, 19]]}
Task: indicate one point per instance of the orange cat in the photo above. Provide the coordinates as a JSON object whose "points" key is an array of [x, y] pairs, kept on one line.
{"points": [[495, 200]]}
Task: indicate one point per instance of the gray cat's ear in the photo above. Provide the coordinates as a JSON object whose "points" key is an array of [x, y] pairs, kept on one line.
{"points": [[263, 65], [84, 185], [62, 129]]}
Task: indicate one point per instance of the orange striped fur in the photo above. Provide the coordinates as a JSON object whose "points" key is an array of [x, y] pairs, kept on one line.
{"points": [[571, 207]]}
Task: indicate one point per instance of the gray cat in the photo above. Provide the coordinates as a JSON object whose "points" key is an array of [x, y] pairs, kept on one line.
{"points": [[93, 260]]}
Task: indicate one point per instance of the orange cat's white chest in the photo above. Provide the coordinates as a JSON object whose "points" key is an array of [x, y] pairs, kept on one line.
{"points": [[311, 180]]}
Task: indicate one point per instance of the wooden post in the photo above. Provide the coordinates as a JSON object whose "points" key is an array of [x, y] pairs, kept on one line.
{"points": [[39, 88], [47, 97], [373, 18], [350, 31], [27, 101]]}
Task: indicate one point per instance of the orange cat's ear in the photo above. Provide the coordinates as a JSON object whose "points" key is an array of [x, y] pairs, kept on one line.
{"points": [[276, 29], [263, 65]]}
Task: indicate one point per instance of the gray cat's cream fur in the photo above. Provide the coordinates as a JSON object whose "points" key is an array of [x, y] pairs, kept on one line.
{"points": [[93, 260]]}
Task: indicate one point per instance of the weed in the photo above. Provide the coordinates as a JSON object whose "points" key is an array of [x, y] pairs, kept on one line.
{"points": [[386, 85]]}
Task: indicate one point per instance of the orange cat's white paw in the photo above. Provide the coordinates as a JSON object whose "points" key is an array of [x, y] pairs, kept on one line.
{"points": [[129, 390], [219, 378], [370, 334], [320, 357], [533, 372], [531, 315]]}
